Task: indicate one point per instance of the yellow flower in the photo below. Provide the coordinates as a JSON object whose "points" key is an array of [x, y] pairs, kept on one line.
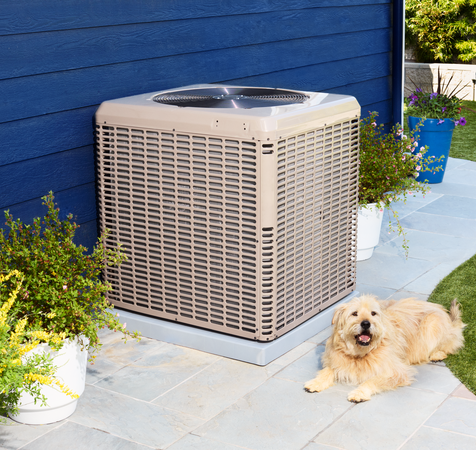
{"points": [[41, 335], [42, 379], [12, 297], [27, 347]]}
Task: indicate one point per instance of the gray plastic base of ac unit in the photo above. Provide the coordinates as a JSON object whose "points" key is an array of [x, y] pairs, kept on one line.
{"points": [[259, 353]]}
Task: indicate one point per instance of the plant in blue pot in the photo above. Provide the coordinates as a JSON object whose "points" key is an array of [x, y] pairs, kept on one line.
{"points": [[436, 114]]}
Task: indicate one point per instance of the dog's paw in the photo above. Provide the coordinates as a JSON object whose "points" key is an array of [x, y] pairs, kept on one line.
{"points": [[313, 386], [357, 396], [438, 356], [323, 380]]}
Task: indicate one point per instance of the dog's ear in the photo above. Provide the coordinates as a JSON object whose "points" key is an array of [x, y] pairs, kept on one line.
{"points": [[338, 312]]}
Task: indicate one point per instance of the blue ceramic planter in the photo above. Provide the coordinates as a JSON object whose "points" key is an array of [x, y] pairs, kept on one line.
{"points": [[438, 138]]}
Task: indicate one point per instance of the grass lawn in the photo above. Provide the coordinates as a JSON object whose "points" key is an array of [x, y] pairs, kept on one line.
{"points": [[463, 145], [461, 284]]}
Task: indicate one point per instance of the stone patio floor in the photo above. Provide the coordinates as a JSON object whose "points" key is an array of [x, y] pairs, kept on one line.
{"points": [[155, 395]]}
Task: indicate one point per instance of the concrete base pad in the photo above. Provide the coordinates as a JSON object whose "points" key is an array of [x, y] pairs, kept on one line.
{"points": [[260, 353]]}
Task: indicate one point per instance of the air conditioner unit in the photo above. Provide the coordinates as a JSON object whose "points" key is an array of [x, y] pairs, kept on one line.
{"points": [[236, 205]]}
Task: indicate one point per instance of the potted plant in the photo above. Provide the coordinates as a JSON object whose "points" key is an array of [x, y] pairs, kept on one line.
{"points": [[389, 165], [18, 372], [437, 114], [61, 294]]}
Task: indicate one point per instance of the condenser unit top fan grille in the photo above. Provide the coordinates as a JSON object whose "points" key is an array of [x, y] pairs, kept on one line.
{"points": [[240, 98]]}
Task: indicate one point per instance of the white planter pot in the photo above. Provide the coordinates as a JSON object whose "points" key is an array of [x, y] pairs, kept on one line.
{"points": [[71, 363], [368, 230]]}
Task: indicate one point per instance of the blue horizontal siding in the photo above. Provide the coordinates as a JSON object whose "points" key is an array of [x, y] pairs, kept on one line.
{"points": [[55, 172], [30, 16], [323, 77], [60, 60], [78, 201], [105, 45], [60, 91], [46, 134]]}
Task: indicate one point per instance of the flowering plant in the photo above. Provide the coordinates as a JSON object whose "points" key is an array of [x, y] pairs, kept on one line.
{"points": [[389, 164], [20, 372], [434, 106], [62, 291], [442, 104]]}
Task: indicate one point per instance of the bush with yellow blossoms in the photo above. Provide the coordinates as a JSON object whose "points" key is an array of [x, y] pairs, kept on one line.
{"points": [[21, 371], [62, 293]]}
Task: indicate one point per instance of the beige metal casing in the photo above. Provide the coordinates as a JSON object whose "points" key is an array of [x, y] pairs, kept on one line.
{"points": [[241, 221]]}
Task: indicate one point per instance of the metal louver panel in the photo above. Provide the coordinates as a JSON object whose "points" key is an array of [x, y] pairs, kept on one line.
{"points": [[248, 237], [317, 205]]}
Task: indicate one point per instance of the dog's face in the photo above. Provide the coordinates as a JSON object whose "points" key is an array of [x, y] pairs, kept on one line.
{"points": [[359, 325]]}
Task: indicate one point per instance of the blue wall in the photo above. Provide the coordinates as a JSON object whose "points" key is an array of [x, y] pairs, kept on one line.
{"points": [[60, 60]]}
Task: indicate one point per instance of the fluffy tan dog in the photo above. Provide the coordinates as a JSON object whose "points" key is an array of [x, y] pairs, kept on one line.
{"points": [[374, 343]]}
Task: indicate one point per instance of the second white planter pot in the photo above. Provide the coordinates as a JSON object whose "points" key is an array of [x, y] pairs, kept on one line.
{"points": [[368, 230], [71, 362]]}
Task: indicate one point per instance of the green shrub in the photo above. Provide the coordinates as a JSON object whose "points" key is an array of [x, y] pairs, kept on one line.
{"points": [[62, 291], [441, 30]]}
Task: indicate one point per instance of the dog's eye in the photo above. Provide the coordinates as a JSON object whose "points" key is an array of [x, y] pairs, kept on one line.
{"points": [[373, 313], [355, 313]]}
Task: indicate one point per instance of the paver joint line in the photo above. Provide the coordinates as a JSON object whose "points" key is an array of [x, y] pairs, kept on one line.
{"points": [[451, 431]]}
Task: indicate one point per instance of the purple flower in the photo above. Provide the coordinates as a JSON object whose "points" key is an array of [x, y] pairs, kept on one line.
{"points": [[443, 109], [413, 98], [418, 90], [461, 121], [441, 121], [432, 96]]}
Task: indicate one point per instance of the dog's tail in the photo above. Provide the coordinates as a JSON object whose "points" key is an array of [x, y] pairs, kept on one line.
{"points": [[455, 314]]}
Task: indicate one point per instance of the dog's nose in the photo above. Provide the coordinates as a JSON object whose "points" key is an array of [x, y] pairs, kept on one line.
{"points": [[365, 324]]}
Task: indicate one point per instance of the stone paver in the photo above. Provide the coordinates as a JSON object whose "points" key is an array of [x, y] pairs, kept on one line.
{"points": [[132, 419], [391, 271], [279, 415], [433, 439], [383, 423], [156, 373], [457, 415], [82, 438]]}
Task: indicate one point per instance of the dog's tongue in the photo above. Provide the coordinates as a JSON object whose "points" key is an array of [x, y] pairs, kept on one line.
{"points": [[364, 338]]}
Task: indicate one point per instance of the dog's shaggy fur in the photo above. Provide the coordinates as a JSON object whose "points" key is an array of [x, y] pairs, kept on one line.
{"points": [[374, 343]]}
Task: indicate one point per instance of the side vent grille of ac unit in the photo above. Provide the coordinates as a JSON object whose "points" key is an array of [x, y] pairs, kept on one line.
{"points": [[185, 209], [316, 202]]}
